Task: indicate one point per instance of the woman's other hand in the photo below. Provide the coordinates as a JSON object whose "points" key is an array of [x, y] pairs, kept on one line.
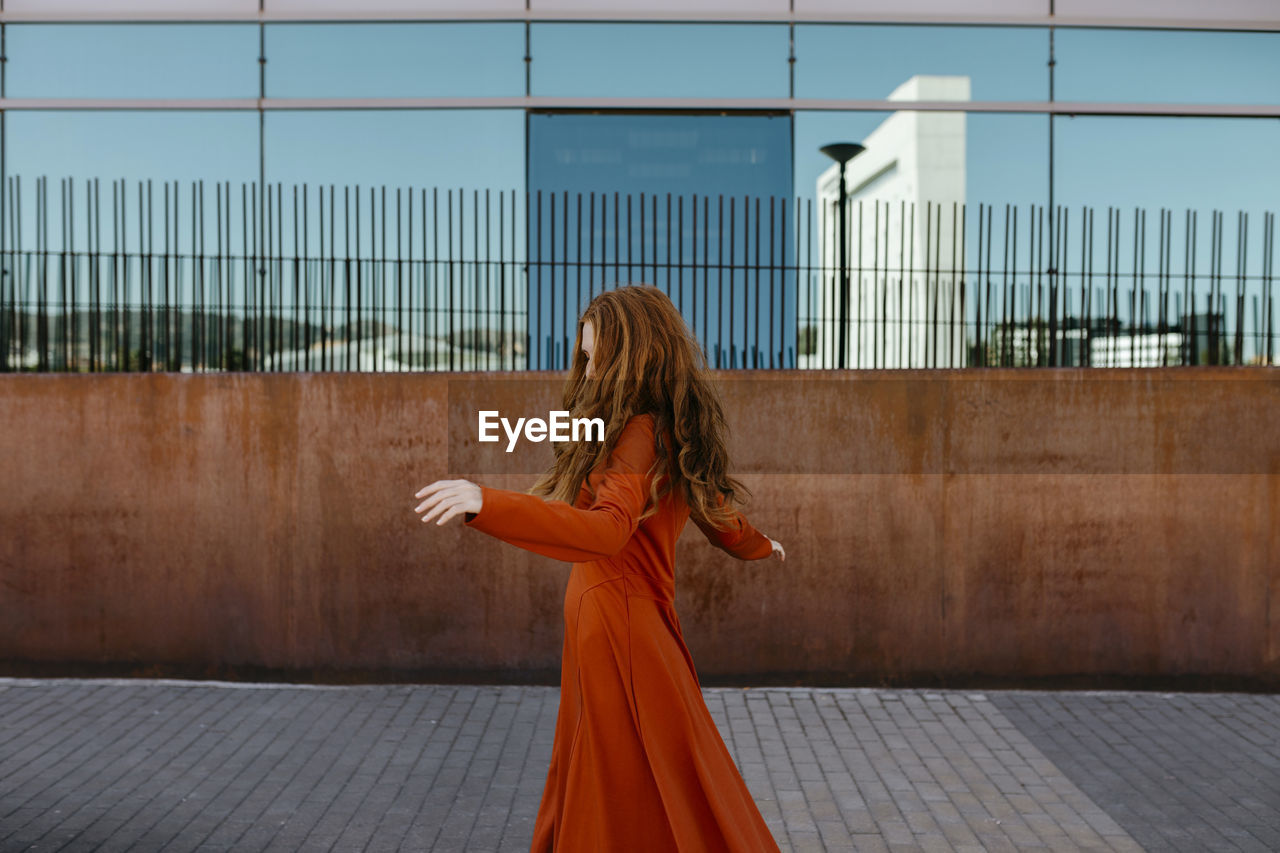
{"points": [[447, 498], [777, 549]]}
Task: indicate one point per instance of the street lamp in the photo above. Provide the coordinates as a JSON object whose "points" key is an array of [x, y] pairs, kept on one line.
{"points": [[843, 152]]}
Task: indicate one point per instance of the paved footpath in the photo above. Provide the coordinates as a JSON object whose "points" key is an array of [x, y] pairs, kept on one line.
{"points": [[117, 765]]}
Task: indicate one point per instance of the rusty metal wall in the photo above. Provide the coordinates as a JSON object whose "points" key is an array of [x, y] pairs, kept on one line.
{"points": [[994, 526]]}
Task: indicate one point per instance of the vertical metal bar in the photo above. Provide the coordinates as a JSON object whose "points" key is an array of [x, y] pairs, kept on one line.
{"points": [[775, 356], [679, 250], [451, 309], [489, 342], [346, 273], [680, 262], [502, 286], [436, 260], [66, 313], [1037, 320], [720, 277], [502, 281], [1242, 259], [382, 274], [220, 319], [146, 241], [564, 278], [528, 252], [1112, 238], [706, 268], [963, 360], [1268, 230], [748, 327], [978, 360], [1139, 224], [591, 246], [868, 319], [541, 360], [578, 306], [733, 280], [323, 280], [428, 339], [299, 290], [1006, 321], [549, 335], [200, 339], [951, 302], [306, 268], [807, 274], [937, 285]]}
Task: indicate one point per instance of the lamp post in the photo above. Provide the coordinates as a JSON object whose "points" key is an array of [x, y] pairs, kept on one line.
{"points": [[843, 152]]}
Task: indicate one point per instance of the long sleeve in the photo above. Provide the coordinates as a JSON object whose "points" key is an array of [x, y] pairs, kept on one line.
{"points": [[555, 529], [740, 539]]}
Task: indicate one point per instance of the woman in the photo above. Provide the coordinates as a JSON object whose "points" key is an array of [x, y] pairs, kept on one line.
{"points": [[637, 762]]}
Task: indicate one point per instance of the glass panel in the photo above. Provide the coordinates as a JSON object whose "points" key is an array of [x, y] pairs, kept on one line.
{"points": [[247, 8], [1179, 214], [131, 61], [129, 145], [1198, 163], [395, 60], [474, 149], [913, 198], [409, 224], [665, 199], [660, 60], [161, 145], [860, 61], [135, 195], [1167, 66]]}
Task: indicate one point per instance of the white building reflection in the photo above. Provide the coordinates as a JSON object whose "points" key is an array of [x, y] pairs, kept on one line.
{"points": [[905, 195]]}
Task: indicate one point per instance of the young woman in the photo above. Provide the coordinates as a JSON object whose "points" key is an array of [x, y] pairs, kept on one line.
{"points": [[637, 763]]}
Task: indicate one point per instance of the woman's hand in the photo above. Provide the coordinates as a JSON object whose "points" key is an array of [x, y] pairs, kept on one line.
{"points": [[777, 549], [448, 498]]}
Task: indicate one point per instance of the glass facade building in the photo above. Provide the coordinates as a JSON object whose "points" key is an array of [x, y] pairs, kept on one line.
{"points": [[516, 158]]}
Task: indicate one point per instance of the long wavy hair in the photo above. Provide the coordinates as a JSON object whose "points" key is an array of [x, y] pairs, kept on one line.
{"points": [[647, 362]]}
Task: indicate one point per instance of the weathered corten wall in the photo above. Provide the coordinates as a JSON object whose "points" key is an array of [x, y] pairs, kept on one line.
{"points": [[949, 527]]}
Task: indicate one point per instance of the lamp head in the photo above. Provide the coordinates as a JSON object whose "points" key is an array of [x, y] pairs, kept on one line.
{"points": [[842, 152]]}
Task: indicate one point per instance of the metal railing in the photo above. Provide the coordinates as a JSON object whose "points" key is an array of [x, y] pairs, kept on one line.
{"points": [[222, 278]]}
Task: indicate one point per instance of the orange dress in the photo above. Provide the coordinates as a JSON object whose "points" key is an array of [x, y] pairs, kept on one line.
{"points": [[637, 763]]}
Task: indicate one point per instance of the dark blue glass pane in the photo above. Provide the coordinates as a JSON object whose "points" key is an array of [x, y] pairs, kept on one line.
{"points": [[667, 200]]}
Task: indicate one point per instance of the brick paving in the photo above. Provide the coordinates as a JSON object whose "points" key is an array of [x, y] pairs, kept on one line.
{"points": [[118, 765]]}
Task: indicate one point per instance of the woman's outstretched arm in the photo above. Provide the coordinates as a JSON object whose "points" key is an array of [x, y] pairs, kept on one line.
{"points": [[740, 539], [557, 530]]}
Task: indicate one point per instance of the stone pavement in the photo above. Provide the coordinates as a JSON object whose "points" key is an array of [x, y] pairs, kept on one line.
{"points": [[117, 765]]}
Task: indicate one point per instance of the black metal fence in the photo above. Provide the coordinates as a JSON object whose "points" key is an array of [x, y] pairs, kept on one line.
{"points": [[216, 277]]}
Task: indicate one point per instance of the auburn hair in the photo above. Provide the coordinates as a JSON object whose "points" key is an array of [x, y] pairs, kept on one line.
{"points": [[647, 362]]}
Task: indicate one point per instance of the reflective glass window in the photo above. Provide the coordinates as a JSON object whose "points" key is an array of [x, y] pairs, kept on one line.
{"points": [[328, 60], [665, 199], [873, 61], [1167, 66], [131, 60], [660, 60]]}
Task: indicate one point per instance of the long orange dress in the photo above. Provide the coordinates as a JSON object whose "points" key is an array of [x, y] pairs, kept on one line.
{"points": [[637, 763]]}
